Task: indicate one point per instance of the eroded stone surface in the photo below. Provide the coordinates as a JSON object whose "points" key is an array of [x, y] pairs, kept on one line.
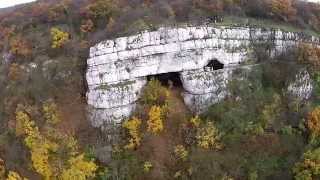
{"points": [[117, 69], [301, 88]]}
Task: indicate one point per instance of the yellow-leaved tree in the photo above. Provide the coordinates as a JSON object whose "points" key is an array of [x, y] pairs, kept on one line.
{"points": [[79, 169], [59, 38], [53, 155], [15, 176], [180, 152], [50, 111], [133, 126], [155, 121], [12, 175], [208, 136]]}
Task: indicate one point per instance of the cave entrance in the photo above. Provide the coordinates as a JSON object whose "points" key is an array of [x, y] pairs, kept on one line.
{"points": [[214, 65], [171, 79]]}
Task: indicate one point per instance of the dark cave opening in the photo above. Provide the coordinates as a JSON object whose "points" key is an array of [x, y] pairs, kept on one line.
{"points": [[168, 79], [215, 65]]}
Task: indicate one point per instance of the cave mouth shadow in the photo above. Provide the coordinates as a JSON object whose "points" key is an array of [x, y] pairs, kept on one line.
{"points": [[171, 79], [214, 64]]}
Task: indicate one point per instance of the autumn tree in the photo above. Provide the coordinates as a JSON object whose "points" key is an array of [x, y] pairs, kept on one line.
{"points": [[309, 54], [155, 121], [59, 11], [154, 93], [313, 123], [59, 38], [12, 175], [79, 168], [54, 155], [309, 167], [2, 169], [15, 72], [50, 111], [195, 121], [38, 145], [101, 9], [283, 9], [15, 176], [133, 126], [180, 152], [20, 47], [208, 136], [147, 166]]}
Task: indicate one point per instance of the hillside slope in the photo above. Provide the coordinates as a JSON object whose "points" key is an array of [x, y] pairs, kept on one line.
{"points": [[261, 129]]}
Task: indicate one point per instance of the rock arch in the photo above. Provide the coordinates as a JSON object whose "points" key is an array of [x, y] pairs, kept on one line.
{"points": [[118, 69]]}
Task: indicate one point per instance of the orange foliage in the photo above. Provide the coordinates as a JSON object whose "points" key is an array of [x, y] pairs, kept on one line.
{"points": [[313, 122], [6, 32], [20, 47], [14, 72], [309, 54], [283, 9]]}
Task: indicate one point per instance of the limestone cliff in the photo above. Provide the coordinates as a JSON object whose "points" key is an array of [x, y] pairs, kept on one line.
{"points": [[118, 69]]}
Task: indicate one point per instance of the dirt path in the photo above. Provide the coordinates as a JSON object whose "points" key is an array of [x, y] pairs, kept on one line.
{"points": [[159, 149]]}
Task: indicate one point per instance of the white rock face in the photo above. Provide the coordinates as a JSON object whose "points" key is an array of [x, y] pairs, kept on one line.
{"points": [[204, 87], [301, 88], [117, 69]]}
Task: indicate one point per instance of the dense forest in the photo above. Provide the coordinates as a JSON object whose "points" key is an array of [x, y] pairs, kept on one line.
{"points": [[257, 132]]}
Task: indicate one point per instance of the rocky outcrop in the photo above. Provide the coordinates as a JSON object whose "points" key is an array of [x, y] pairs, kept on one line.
{"points": [[301, 88], [118, 69]]}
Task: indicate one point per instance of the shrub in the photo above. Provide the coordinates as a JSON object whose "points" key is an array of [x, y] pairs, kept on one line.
{"points": [[313, 123], [271, 111], [147, 166], [154, 93], [59, 38], [59, 11], [15, 176], [283, 9], [195, 121], [309, 167], [180, 152], [2, 169], [155, 121], [101, 9], [208, 137], [309, 54], [51, 113], [15, 72], [133, 126], [80, 169], [54, 156], [20, 47]]}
